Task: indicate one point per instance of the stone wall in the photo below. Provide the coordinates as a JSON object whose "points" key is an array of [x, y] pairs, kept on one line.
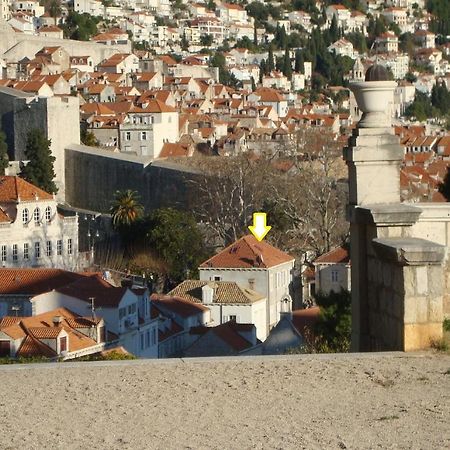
{"points": [[94, 175]]}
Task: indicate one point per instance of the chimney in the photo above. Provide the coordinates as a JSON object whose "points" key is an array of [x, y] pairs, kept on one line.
{"points": [[57, 320], [208, 292]]}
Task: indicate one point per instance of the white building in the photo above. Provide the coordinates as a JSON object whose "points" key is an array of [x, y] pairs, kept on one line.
{"points": [[5, 12], [387, 43], [126, 312], [332, 271], [342, 47], [148, 129], [227, 301], [32, 231], [258, 266], [92, 7]]}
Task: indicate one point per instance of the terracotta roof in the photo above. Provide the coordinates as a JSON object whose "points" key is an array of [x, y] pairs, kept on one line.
{"points": [[33, 347], [34, 281], [303, 319], [247, 252], [45, 332], [180, 306], [87, 287], [224, 292], [13, 188], [170, 150], [335, 256]]}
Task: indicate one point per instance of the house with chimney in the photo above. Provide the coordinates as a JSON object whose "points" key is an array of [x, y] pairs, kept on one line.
{"points": [[57, 334], [227, 301], [258, 266]]}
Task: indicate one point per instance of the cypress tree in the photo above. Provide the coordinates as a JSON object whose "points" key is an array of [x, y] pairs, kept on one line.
{"points": [[3, 153], [334, 30], [299, 65], [270, 62], [39, 171], [287, 66]]}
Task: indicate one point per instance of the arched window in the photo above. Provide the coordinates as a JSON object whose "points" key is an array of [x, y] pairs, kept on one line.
{"points": [[25, 216], [48, 214], [37, 215]]}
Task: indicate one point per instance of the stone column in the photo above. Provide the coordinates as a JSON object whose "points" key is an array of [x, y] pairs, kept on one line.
{"points": [[373, 157]]}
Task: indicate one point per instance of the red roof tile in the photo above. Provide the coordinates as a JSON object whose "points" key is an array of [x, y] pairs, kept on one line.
{"points": [[335, 256], [248, 252], [13, 188]]}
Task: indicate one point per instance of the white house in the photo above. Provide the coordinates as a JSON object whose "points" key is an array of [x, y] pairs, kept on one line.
{"points": [[32, 231], [387, 43], [259, 267], [126, 312], [342, 47], [55, 334], [227, 301], [333, 271]]}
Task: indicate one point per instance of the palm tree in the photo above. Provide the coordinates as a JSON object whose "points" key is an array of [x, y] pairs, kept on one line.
{"points": [[126, 208]]}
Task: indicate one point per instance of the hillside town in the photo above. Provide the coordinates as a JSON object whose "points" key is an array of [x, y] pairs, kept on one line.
{"points": [[139, 137]]}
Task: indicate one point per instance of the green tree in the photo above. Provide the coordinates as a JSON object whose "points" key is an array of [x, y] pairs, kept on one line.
{"points": [[80, 27], [287, 65], [335, 324], [440, 98], [39, 170], [176, 238], [299, 65], [4, 160], [206, 40], [126, 209], [444, 187], [225, 76], [270, 61], [334, 29]]}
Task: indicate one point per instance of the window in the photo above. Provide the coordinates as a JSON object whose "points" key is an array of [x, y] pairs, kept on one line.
{"points": [[48, 250], [142, 340], [128, 136], [25, 216], [59, 247], [143, 136], [122, 313], [48, 214], [217, 278], [5, 348], [37, 250], [154, 336], [37, 216], [334, 276], [251, 283], [129, 309], [69, 246], [3, 253], [26, 251], [14, 252], [133, 308], [63, 344], [147, 339], [233, 318]]}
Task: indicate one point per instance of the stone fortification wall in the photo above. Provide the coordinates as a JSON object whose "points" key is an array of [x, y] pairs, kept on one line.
{"points": [[94, 175], [57, 117], [15, 46]]}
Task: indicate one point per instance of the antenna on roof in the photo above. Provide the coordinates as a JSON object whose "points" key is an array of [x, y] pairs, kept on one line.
{"points": [[92, 307]]}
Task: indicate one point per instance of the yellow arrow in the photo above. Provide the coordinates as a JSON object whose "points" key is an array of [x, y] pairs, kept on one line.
{"points": [[259, 228]]}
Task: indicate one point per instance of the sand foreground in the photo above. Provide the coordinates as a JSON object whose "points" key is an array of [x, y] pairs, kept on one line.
{"points": [[310, 401]]}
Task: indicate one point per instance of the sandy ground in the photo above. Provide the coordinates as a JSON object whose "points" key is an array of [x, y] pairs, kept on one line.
{"points": [[323, 402]]}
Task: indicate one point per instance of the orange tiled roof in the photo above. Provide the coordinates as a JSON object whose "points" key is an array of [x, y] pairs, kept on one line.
{"points": [[177, 305], [13, 188], [335, 256], [248, 252], [34, 281]]}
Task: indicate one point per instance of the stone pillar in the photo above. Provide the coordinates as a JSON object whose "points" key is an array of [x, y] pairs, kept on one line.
{"points": [[397, 280], [407, 286], [373, 157]]}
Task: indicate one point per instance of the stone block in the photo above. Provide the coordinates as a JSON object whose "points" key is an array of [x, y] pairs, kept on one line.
{"points": [[421, 309], [420, 336], [410, 310], [436, 280], [435, 309], [409, 281], [421, 280]]}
